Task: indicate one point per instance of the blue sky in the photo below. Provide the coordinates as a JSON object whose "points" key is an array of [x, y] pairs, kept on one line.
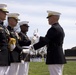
{"points": [[35, 12]]}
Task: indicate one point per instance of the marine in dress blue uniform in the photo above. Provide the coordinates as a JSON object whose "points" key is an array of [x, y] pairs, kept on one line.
{"points": [[54, 40], [24, 43], [4, 38], [15, 53]]}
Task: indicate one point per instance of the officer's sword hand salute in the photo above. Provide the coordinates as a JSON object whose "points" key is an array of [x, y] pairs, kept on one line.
{"points": [[54, 40]]}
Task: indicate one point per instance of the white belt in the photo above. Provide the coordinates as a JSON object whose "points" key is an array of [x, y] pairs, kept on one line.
{"points": [[25, 47]]}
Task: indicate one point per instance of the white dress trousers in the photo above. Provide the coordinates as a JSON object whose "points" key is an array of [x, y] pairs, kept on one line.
{"points": [[24, 68], [14, 69], [4, 70], [56, 69]]}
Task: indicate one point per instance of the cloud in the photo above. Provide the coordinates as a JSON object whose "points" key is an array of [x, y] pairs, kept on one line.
{"points": [[35, 12]]}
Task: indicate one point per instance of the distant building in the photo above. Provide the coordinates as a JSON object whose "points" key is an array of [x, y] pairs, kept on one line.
{"points": [[71, 54]]}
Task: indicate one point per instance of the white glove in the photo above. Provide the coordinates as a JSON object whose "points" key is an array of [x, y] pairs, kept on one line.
{"points": [[12, 47], [26, 51], [22, 61], [31, 48]]}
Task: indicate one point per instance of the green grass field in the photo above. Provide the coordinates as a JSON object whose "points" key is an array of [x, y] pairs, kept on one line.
{"points": [[40, 68]]}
